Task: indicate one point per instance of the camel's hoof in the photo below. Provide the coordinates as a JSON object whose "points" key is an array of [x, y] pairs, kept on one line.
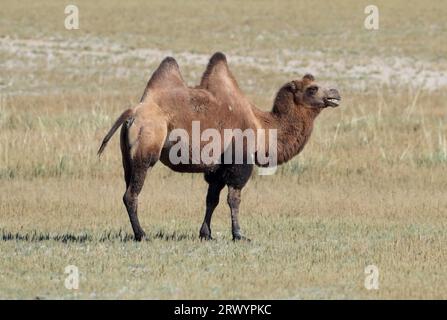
{"points": [[140, 236], [206, 237], [205, 232], [239, 237]]}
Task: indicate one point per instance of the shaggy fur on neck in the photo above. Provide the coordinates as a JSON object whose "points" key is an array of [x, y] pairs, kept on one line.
{"points": [[293, 122]]}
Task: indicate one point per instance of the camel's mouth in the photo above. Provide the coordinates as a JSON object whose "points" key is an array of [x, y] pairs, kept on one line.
{"points": [[332, 102]]}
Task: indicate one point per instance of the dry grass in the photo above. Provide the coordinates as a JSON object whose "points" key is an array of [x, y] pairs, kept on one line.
{"points": [[369, 188]]}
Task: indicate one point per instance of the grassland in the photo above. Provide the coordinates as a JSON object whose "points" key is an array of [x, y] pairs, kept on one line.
{"points": [[369, 188]]}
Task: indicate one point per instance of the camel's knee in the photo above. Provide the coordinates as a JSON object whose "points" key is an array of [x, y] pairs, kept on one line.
{"points": [[234, 198], [129, 198], [234, 204], [126, 199]]}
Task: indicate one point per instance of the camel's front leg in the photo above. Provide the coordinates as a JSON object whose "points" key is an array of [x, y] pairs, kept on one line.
{"points": [[234, 200], [212, 200]]}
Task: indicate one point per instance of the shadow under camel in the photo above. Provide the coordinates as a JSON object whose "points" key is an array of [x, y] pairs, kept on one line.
{"points": [[84, 237]]}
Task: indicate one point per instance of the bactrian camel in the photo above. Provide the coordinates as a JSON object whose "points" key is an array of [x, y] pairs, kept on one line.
{"points": [[168, 104]]}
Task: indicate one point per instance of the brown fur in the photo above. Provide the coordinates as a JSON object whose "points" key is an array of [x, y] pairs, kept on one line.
{"points": [[168, 103]]}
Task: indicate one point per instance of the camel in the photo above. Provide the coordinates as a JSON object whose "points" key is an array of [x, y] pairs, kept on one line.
{"points": [[168, 104]]}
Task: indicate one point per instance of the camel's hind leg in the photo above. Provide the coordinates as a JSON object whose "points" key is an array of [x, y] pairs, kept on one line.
{"points": [[130, 198], [137, 160], [125, 153]]}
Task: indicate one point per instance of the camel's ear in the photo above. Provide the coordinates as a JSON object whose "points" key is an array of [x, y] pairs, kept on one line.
{"points": [[308, 78]]}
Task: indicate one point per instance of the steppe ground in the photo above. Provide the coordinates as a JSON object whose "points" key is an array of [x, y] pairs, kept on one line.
{"points": [[370, 188]]}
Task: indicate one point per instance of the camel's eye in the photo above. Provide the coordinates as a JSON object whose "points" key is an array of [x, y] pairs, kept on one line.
{"points": [[312, 90]]}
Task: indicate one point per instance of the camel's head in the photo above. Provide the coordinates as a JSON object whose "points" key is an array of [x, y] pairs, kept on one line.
{"points": [[307, 93]]}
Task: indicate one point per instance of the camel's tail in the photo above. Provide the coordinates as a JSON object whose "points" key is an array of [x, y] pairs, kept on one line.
{"points": [[123, 117]]}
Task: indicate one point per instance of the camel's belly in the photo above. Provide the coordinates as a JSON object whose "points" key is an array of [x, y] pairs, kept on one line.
{"points": [[188, 166]]}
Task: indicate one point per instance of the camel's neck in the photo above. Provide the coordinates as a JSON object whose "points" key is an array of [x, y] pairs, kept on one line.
{"points": [[293, 129]]}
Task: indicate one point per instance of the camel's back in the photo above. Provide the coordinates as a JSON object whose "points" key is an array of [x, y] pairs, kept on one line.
{"points": [[182, 106]]}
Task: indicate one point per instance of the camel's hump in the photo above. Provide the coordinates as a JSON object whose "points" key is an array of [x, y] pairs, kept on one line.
{"points": [[167, 75], [217, 57], [220, 82], [217, 72]]}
